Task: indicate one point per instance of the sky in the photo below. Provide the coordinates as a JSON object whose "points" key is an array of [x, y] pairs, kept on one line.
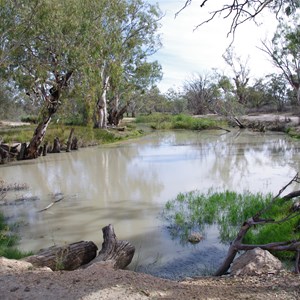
{"points": [[187, 52]]}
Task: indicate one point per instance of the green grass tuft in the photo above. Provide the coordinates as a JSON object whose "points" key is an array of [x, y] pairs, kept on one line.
{"points": [[8, 242]]}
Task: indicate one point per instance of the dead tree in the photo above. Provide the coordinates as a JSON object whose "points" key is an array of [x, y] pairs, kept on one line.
{"points": [[257, 220]]}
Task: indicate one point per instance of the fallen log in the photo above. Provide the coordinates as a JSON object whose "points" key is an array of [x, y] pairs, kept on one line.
{"points": [[69, 257], [83, 254]]}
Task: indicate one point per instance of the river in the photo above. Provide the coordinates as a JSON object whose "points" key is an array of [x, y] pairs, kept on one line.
{"points": [[127, 185]]}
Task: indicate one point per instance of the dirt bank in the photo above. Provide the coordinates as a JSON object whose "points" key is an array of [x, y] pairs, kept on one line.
{"points": [[101, 282]]}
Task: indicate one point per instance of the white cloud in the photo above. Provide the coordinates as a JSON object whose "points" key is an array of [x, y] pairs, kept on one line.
{"points": [[186, 51]]}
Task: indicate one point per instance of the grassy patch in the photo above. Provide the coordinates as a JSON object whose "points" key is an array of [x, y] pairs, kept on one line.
{"points": [[86, 136], [228, 210], [181, 121], [9, 241]]}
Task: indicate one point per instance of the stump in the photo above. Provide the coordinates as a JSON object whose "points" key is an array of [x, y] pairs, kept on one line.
{"points": [[74, 144], [56, 146], [118, 253], [69, 143], [45, 149]]}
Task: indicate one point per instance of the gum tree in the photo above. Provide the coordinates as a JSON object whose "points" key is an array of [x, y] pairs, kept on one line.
{"points": [[46, 54], [285, 52], [130, 38], [82, 48]]}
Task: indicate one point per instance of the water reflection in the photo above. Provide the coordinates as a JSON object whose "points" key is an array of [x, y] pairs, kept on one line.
{"points": [[127, 185]]}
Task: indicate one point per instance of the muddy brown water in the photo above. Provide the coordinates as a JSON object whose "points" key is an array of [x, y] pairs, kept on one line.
{"points": [[128, 184]]}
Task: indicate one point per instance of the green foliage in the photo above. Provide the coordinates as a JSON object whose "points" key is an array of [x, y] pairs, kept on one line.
{"points": [[93, 41], [86, 135], [154, 118], [29, 119], [294, 133], [195, 210], [8, 242], [21, 134], [181, 121], [188, 122], [285, 51]]}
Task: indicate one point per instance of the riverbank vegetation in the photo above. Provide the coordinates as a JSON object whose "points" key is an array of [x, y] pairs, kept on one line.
{"points": [[8, 236], [9, 241], [194, 211], [86, 135], [180, 121]]}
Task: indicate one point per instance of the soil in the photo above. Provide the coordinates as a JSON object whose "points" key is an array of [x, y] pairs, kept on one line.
{"points": [[100, 281]]}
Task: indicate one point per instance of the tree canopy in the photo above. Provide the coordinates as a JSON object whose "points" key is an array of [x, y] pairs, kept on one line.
{"points": [[70, 49]]}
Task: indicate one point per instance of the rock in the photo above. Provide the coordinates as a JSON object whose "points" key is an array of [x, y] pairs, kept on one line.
{"points": [[195, 237], [256, 262]]}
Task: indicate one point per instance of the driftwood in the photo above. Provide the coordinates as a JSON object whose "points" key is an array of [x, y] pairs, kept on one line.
{"points": [[83, 254], [51, 204], [69, 257], [256, 220]]}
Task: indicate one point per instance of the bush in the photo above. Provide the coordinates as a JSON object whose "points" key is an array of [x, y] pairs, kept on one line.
{"points": [[181, 121], [30, 119]]}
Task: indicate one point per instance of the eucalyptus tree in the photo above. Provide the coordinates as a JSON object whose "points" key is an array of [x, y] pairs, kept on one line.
{"points": [[285, 52], [13, 23], [43, 57], [130, 38], [241, 74], [137, 78], [201, 93], [176, 102], [278, 92]]}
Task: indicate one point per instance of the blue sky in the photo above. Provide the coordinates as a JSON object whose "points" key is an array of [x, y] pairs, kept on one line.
{"points": [[187, 51]]}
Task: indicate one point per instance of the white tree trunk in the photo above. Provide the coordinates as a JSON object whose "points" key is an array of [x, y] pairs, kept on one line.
{"points": [[102, 106]]}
